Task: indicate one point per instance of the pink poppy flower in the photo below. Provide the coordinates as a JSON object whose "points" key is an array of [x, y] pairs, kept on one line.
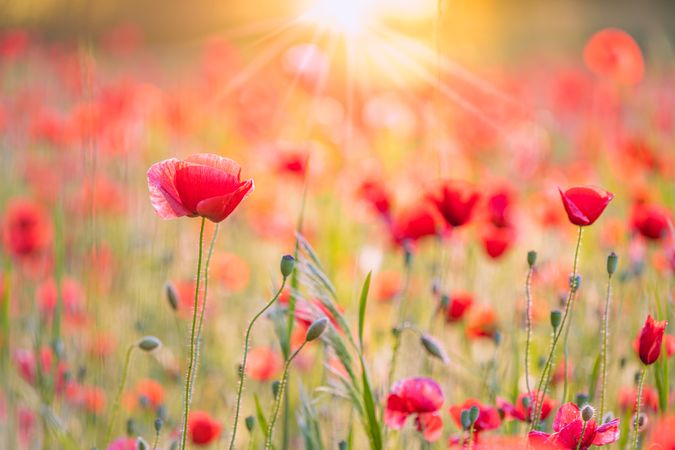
{"points": [[567, 431], [421, 397]]}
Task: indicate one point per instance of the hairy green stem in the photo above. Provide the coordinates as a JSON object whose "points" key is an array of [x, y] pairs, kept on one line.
{"points": [[581, 438], [118, 395], [242, 367], [528, 313], [605, 334], [637, 407], [556, 337], [193, 334], [279, 397]]}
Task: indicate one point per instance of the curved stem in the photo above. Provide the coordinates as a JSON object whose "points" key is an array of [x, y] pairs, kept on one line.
{"points": [[566, 355], [279, 397], [581, 438], [193, 334], [397, 336], [118, 395], [561, 328], [242, 367], [528, 296], [637, 407], [605, 334], [156, 442]]}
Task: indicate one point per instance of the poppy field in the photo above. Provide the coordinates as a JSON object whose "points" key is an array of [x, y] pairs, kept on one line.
{"points": [[331, 233]]}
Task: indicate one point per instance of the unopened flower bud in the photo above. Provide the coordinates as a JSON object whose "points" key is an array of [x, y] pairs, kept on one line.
{"points": [[473, 414], [141, 444], [526, 402], [433, 347], [342, 445], [131, 427], [587, 413], [171, 295], [316, 329], [275, 388], [287, 265], [581, 400], [250, 423], [445, 300], [531, 258], [556, 318], [465, 419], [158, 424], [612, 262], [149, 343]]}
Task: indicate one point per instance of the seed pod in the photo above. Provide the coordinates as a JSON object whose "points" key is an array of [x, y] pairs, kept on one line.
{"points": [[287, 264], [556, 317], [531, 258], [316, 329], [171, 295], [612, 262], [434, 348], [276, 385], [149, 343], [587, 413], [250, 423]]}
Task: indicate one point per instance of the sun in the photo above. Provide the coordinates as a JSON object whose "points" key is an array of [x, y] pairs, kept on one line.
{"points": [[348, 17]]}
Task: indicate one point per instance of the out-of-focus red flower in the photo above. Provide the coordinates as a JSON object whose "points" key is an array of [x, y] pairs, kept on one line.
{"points": [[499, 208], [231, 270], [13, 43], [72, 297], [147, 393], [584, 204], [524, 413], [421, 397], [292, 162], [204, 185], [628, 399], [651, 221], [26, 426], [613, 54], [263, 364], [670, 344], [482, 323], [122, 39], [456, 201], [496, 241], [377, 196], [27, 366], [123, 443], [388, 284], [26, 231], [414, 223], [202, 429], [649, 340], [90, 398], [567, 431], [662, 436], [458, 305], [488, 417]]}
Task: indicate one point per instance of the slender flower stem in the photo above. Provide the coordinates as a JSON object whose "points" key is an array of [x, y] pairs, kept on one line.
{"points": [[561, 328], [605, 334], [397, 335], [279, 397], [581, 438], [118, 396], [156, 442], [471, 433], [566, 354], [528, 296], [193, 334], [242, 367], [637, 407]]}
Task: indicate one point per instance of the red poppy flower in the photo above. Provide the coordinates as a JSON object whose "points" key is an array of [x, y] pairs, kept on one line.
{"points": [[614, 54], [482, 323], [567, 431], [204, 185], [456, 201], [202, 429], [263, 364], [458, 305], [421, 397], [584, 204], [649, 340], [488, 417], [520, 412], [414, 223], [72, 297], [496, 241], [146, 393], [651, 221], [662, 436], [498, 208], [375, 193], [123, 443], [628, 398], [26, 230]]}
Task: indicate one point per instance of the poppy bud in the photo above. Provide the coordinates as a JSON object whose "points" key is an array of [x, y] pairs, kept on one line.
{"points": [[131, 427], [407, 254], [171, 295], [531, 258], [275, 388], [497, 338], [158, 424], [250, 423], [526, 402], [445, 300], [575, 282], [649, 340], [609, 416], [587, 413], [612, 261], [161, 412], [556, 317], [342, 445], [287, 265], [141, 444], [465, 419], [433, 347], [582, 399], [473, 414], [149, 343], [316, 329], [641, 422]]}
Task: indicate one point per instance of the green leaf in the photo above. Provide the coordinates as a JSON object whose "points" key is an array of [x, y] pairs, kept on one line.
{"points": [[261, 416], [362, 307], [374, 429]]}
